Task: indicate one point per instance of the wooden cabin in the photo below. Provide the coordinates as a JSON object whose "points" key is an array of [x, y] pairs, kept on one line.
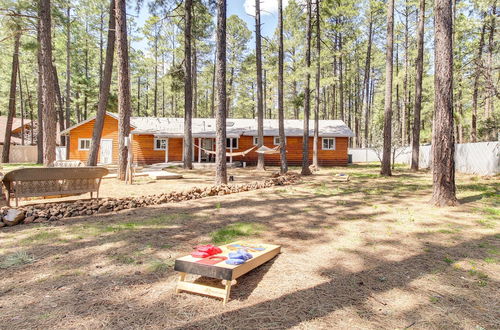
{"points": [[160, 140]]}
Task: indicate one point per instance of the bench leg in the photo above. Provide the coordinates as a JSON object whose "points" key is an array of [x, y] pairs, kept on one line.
{"points": [[91, 195], [17, 202]]}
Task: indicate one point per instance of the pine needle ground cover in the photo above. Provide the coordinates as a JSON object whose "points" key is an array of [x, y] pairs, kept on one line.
{"points": [[368, 253]]}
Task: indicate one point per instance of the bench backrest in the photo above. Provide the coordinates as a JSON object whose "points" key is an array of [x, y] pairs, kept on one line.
{"points": [[47, 181]]}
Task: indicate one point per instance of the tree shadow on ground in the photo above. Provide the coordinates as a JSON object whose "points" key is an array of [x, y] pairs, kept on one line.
{"points": [[343, 290]]}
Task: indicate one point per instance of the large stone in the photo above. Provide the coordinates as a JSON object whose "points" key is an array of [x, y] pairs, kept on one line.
{"points": [[29, 219], [13, 217]]}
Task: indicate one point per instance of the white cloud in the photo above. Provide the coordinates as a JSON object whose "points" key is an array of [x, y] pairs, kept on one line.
{"points": [[267, 7]]}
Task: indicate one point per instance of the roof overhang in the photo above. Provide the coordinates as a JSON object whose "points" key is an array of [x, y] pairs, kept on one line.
{"points": [[67, 130]]}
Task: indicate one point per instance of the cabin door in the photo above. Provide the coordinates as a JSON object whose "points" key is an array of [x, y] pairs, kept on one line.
{"points": [[106, 151]]}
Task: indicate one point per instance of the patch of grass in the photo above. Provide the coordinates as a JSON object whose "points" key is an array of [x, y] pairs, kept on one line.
{"points": [[43, 236], [434, 300], [159, 266], [231, 232], [479, 274], [17, 259], [489, 260], [494, 211], [124, 259], [448, 260], [120, 227], [218, 206], [486, 223]]}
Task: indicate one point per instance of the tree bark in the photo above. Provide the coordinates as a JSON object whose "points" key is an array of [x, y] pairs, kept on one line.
{"points": [[386, 156], [317, 95], [307, 94], [419, 69], [124, 107], [260, 110], [220, 116], [475, 91], [366, 81], [155, 91], [281, 117], [48, 85], [68, 76], [60, 107], [443, 142], [39, 135], [12, 98], [104, 90], [188, 87]]}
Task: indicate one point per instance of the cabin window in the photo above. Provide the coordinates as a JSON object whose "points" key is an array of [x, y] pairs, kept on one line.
{"points": [[276, 140], [232, 142], [84, 144], [328, 144], [160, 144], [255, 140]]}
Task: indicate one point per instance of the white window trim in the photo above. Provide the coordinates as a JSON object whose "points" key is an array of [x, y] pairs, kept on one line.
{"points": [[159, 149], [237, 143], [255, 140], [274, 140], [80, 144], [329, 138]]}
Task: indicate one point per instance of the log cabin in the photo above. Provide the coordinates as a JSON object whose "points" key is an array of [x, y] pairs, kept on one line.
{"points": [[160, 140]]}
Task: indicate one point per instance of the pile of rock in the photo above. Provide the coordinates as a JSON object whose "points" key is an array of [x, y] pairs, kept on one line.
{"points": [[55, 211]]}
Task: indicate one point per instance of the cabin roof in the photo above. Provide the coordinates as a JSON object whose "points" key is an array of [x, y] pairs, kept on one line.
{"points": [[235, 127]]}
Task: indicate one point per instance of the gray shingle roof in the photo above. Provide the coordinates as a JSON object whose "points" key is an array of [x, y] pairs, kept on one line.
{"points": [[205, 127]]}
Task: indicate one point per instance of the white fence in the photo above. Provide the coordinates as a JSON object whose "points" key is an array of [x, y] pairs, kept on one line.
{"points": [[474, 158], [22, 154], [61, 153]]}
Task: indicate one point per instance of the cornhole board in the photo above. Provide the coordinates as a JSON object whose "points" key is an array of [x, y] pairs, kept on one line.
{"points": [[227, 273]]}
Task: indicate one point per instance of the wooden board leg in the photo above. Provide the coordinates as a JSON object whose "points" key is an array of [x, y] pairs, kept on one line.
{"points": [[228, 292], [182, 277]]}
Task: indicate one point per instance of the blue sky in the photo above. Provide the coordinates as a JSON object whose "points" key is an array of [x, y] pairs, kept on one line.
{"points": [[242, 8]]}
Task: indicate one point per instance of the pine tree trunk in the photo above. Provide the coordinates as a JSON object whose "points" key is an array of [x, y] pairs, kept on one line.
{"points": [[489, 108], [260, 110], [68, 76], [220, 116], [39, 135], [212, 98], [317, 96], [386, 156], [341, 77], [366, 81], [281, 117], [124, 107], [12, 98], [48, 85], [443, 142], [194, 72], [60, 107], [307, 94], [155, 91], [188, 87], [477, 74], [419, 69], [138, 108], [21, 104], [105, 88]]}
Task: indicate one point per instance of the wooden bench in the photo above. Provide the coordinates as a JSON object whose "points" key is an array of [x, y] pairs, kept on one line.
{"points": [[227, 273], [52, 181]]}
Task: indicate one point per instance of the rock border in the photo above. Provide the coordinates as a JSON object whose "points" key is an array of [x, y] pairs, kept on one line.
{"points": [[47, 212]]}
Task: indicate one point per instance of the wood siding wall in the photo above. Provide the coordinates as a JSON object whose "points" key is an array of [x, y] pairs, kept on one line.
{"points": [[109, 131], [144, 153]]}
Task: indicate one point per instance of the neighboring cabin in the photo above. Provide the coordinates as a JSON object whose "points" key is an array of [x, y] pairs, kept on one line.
{"points": [[160, 140], [17, 130]]}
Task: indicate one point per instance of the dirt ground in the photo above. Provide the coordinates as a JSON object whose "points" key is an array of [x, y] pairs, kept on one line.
{"points": [[144, 185], [366, 254]]}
